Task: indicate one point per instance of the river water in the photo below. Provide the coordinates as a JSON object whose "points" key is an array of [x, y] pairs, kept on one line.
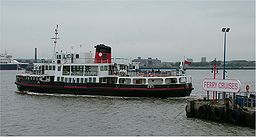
{"points": [[82, 115]]}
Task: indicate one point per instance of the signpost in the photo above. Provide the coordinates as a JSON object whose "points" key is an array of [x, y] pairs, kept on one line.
{"points": [[222, 85]]}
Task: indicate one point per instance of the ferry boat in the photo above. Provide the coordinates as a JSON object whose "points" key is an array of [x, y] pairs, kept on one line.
{"points": [[83, 74], [7, 63]]}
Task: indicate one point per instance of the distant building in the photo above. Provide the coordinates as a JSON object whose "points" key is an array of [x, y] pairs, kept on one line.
{"points": [[203, 59], [148, 63]]}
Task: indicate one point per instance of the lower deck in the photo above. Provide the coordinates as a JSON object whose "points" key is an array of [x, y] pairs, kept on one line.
{"points": [[167, 90], [176, 86]]}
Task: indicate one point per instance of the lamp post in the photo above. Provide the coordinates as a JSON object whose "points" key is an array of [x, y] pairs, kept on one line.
{"points": [[225, 30]]}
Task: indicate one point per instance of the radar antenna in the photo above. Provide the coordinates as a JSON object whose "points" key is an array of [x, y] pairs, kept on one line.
{"points": [[55, 41]]}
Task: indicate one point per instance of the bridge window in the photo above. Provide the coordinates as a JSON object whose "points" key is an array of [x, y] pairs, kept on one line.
{"points": [[66, 70], [77, 70], [139, 81], [182, 80], [155, 81], [103, 80], [171, 80], [91, 70], [58, 56], [104, 68], [125, 81]]}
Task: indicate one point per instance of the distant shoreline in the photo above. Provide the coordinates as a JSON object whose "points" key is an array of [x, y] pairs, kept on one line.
{"points": [[206, 68], [236, 68]]}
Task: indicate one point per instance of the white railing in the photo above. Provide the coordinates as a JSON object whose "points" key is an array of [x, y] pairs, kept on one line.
{"points": [[120, 60], [95, 61], [152, 74]]}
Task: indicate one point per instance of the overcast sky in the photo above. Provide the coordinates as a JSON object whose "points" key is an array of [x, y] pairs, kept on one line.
{"points": [[167, 30]]}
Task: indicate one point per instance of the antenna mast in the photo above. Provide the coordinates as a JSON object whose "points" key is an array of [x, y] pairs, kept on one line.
{"points": [[55, 41]]}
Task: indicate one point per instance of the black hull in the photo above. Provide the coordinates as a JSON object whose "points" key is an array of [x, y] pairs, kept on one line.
{"points": [[178, 90]]}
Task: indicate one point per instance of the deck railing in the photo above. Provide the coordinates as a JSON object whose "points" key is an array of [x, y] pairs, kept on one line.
{"points": [[152, 73], [97, 61], [247, 100]]}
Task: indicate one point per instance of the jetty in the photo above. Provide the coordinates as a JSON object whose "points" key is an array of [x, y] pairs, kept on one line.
{"points": [[238, 111]]}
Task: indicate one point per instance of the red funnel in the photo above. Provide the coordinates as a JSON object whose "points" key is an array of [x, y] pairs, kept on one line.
{"points": [[102, 54]]}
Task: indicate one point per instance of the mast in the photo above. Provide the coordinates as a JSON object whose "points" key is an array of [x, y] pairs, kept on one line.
{"points": [[55, 42]]}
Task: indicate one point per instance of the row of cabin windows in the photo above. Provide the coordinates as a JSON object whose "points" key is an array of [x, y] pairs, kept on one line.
{"points": [[107, 68], [123, 67], [47, 67], [68, 56], [77, 80], [80, 70], [32, 78], [37, 78], [159, 81]]}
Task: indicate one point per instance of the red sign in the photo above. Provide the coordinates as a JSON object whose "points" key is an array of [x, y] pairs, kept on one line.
{"points": [[227, 85]]}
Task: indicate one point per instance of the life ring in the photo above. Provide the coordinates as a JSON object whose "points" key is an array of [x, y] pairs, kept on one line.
{"points": [[217, 113], [203, 112], [247, 88], [234, 116]]}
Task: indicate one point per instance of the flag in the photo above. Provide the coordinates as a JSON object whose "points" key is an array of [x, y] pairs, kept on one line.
{"points": [[187, 62]]}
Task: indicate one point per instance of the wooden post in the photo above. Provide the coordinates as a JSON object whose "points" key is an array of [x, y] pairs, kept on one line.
{"points": [[219, 97], [207, 95], [234, 100], [216, 95], [213, 98], [247, 101], [223, 95]]}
